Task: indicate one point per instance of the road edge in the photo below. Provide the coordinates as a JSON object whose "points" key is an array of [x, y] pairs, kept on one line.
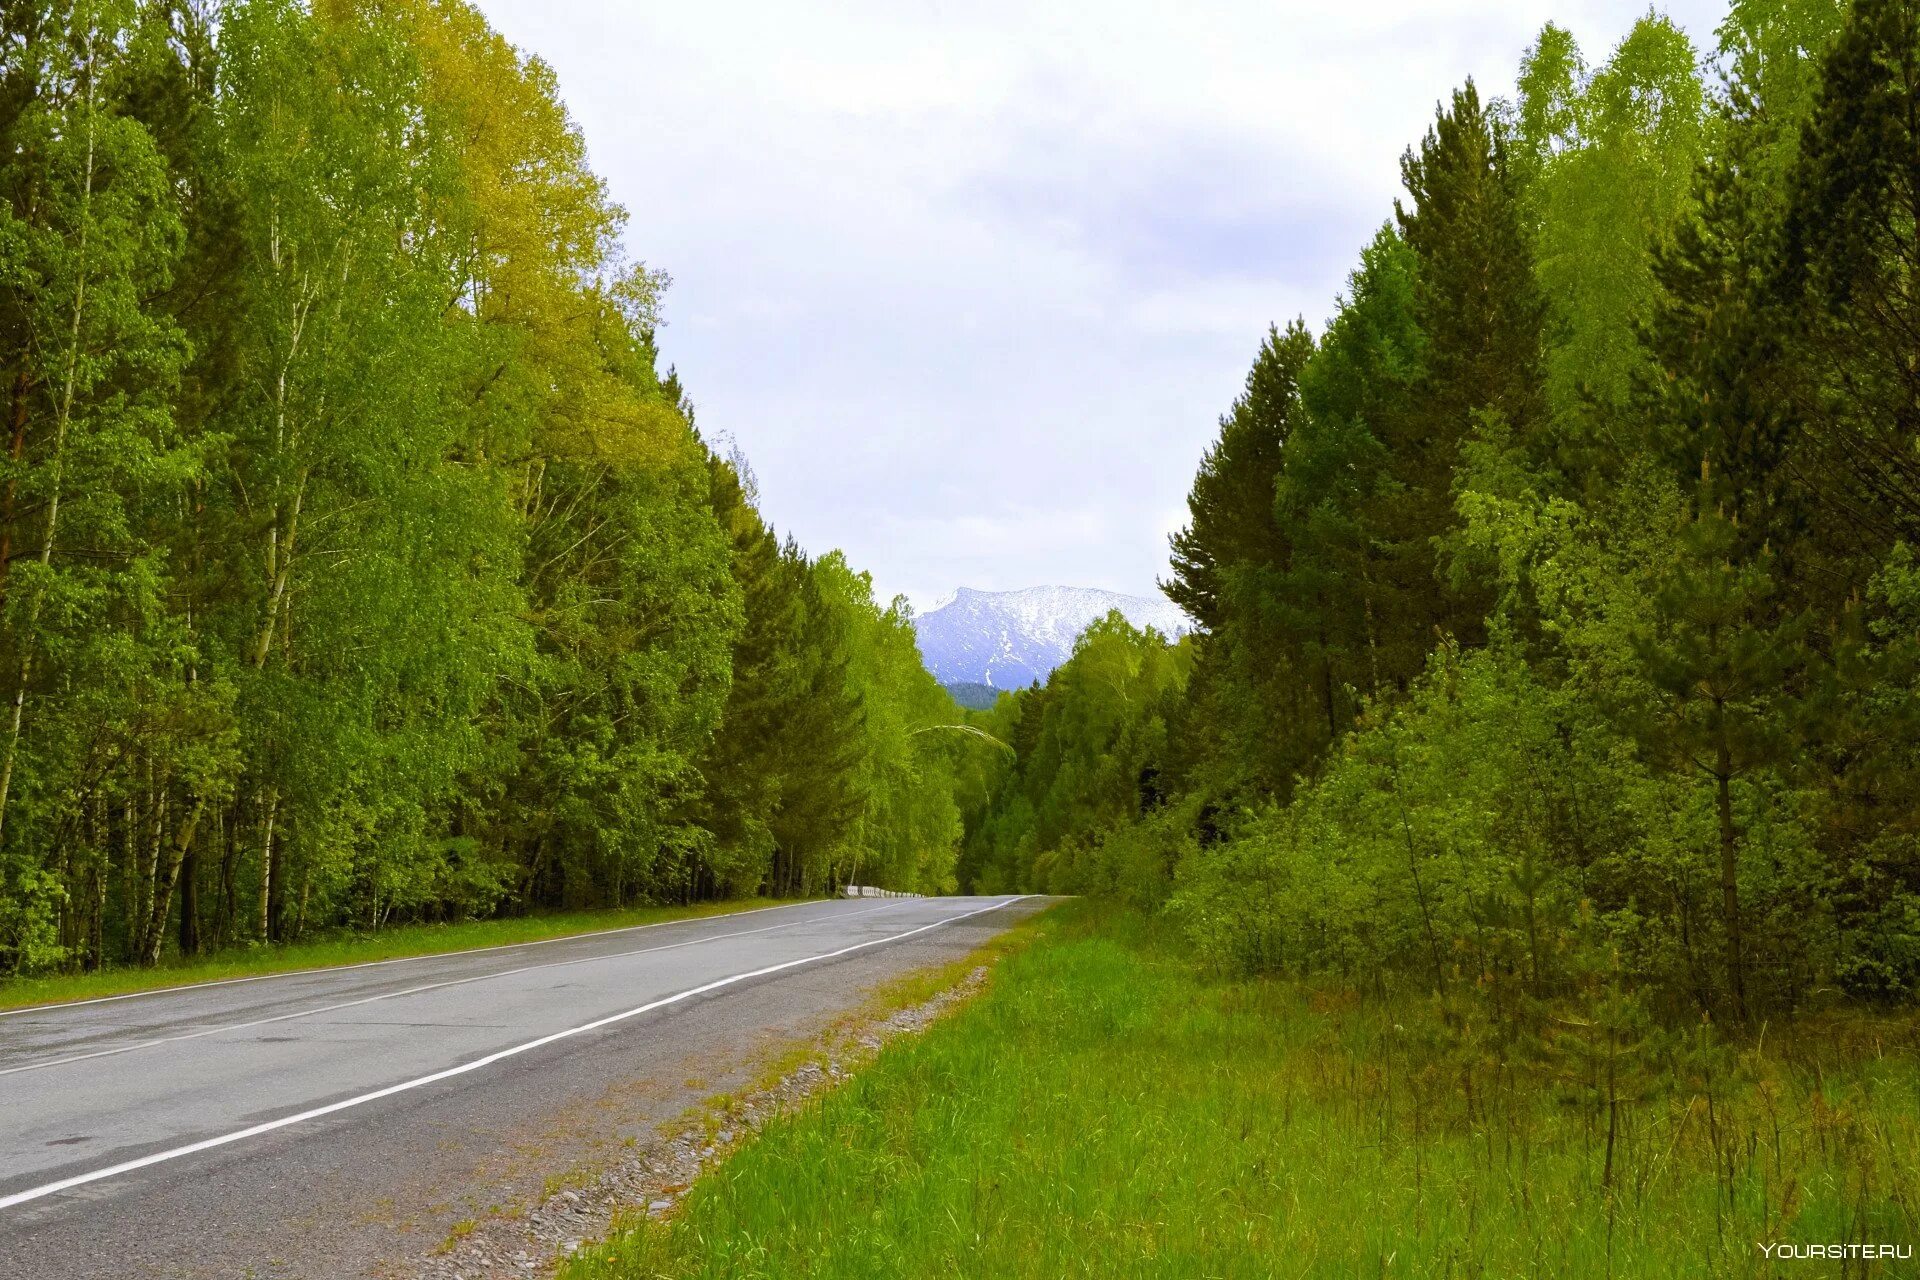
{"points": [[590, 1204]]}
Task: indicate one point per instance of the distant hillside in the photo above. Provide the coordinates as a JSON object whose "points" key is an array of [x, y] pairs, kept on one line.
{"points": [[973, 695], [1009, 639]]}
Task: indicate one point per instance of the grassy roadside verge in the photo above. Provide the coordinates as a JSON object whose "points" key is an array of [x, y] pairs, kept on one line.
{"points": [[1103, 1110], [389, 944], [595, 1197], [842, 1043]]}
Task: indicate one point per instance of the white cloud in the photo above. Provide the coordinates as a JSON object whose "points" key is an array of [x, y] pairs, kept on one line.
{"points": [[972, 282]]}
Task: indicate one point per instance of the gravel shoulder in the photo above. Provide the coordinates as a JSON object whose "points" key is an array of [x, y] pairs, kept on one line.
{"points": [[647, 1179]]}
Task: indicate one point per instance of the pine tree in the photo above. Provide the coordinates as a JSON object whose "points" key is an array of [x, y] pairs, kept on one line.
{"points": [[1228, 564], [1721, 656], [1848, 276], [1724, 644], [1481, 318], [1475, 296], [1231, 522]]}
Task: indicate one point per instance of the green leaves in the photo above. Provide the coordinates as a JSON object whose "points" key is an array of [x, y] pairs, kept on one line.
{"points": [[1571, 674], [1608, 161], [1092, 754], [88, 234], [356, 562]]}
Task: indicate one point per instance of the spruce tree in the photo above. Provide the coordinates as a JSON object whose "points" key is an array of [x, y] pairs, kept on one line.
{"points": [[1844, 285], [818, 741], [1336, 474], [743, 781], [1723, 642]]}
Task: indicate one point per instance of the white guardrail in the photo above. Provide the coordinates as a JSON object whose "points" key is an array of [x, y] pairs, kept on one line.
{"points": [[869, 891]]}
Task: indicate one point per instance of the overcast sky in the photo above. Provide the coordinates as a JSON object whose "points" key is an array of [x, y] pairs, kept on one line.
{"points": [[970, 282]]}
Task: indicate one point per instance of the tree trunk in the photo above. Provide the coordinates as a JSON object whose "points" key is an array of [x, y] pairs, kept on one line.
{"points": [[16, 450], [1419, 886], [1730, 872], [150, 918], [97, 949], [58, 459], [165, 877], [269, 879], [190, 902], [226, 914]]}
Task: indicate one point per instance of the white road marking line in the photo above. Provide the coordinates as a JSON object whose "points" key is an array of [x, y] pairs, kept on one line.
{"points": [[375, 964], [238, 1135], [428, 986]]}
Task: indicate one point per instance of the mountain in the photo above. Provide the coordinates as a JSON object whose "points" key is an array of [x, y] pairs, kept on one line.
{"points": [[1009, 639]]}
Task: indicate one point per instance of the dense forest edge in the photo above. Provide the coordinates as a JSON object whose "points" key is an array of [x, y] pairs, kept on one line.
{"points": [[1559, 618], [358, 562]]}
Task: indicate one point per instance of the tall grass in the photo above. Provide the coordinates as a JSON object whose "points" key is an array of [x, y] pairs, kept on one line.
{"points": [[1104, 1110]]}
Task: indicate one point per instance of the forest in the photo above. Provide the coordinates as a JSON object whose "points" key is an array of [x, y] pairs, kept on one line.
{"points": [[1558, 609], [358, 562]]}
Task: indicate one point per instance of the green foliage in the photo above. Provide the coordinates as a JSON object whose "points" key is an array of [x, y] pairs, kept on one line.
{"points": [[357, 564], [1848, 270], [1475, 295], [1227, 569], [1091, 747], [973, 695], [1609, 159], [87, 235], [1569, 678]]}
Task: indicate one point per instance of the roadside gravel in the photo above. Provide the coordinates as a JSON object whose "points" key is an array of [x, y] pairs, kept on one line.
{"points": [[651, 1178]]}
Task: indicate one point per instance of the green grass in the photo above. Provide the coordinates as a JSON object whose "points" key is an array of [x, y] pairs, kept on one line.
{"points": [[388, 944], [1104, 1110]]}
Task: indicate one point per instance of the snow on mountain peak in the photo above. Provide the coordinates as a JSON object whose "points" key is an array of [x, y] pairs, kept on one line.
{"points": [[1008, 639]]}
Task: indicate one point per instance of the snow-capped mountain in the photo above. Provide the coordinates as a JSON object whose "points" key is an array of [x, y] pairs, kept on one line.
{"points": [[1008, 639]]}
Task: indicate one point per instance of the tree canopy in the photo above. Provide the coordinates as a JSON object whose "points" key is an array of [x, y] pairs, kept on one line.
{"points": [[358, 561], [1554, 600]]}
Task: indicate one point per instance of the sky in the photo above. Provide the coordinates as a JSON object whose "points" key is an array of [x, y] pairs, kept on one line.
{"points": [[970, 282]]}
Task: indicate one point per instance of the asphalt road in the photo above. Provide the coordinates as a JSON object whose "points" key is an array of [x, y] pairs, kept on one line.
{"points": [[333, 1123]]}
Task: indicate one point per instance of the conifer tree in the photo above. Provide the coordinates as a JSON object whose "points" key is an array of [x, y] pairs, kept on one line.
{"points": [[1475, 296], [1843, 288], [1849, 271], [1228, 564], [1336, 475], [1231, 522], [819, 742], [1480, 317], [742, 780]]}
